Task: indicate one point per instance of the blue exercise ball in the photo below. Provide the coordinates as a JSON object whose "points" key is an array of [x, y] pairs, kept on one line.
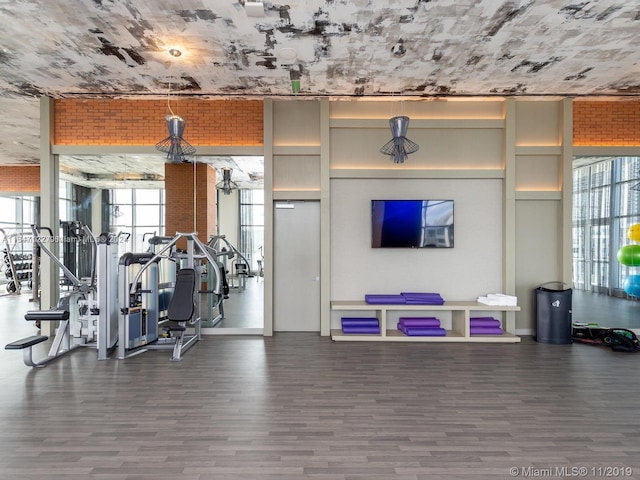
{"points": [[631, 285]]}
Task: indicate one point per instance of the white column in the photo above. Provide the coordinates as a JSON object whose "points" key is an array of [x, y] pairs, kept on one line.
{"points": [[325, 218], [509, 209], [49, 215], [268, 217], [566, 182]]}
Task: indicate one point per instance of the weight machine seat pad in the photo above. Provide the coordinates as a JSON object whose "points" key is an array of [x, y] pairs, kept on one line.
{"points": [[26, 342], [176, 328], [46, 315], [181, 305]]}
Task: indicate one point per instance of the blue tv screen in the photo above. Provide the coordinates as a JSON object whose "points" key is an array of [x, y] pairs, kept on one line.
{"points": [[412, 223]]}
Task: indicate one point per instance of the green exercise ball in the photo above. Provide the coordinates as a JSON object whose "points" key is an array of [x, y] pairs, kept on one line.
{"points": [[629, 255]]}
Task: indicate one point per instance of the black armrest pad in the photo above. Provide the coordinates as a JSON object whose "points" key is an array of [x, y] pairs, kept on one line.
{"points": [[46, 315]]}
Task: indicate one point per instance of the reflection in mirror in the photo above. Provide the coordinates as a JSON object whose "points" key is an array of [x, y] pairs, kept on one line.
{"points": [[126, 196], [239, 243]]}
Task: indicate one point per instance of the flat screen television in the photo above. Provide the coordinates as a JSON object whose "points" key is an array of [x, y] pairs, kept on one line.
{"points": [[412, 223]]}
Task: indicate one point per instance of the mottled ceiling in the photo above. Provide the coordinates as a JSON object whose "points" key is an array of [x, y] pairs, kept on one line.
{"points": [[70, 48]]}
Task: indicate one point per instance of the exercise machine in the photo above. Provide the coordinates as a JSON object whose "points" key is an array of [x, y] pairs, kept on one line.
{"points": [[141, 326], [157, 242], [107, 258], [139, 312], [80, 261], [35, 261], [18, 267], [240, 266], [260, 264], [153, 302], [87, 315], [150, 235]]}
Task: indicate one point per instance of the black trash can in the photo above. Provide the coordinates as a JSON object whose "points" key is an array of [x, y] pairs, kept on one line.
{"points": [[553, 314]]}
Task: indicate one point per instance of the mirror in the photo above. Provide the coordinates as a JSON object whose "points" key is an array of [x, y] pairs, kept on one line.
{"points": [[126, 195]]}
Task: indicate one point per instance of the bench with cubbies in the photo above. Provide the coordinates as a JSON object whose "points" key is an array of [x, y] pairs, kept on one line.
{"points": [[461, 313]]}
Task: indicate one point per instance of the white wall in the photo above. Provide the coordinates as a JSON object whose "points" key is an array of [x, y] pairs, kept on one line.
{"points": [[503, 162], [538, 259], [470, 269], [228, 216]]}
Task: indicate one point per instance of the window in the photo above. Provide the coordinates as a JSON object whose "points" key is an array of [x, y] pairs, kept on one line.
{"points": [[7, 212], [252, 225], [139, 213], [17, 214], [606, 203], [64, 205]]}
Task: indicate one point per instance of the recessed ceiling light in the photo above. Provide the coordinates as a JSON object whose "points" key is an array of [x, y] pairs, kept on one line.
{"points": [[287, 54], [254, 9], [174, 52]]}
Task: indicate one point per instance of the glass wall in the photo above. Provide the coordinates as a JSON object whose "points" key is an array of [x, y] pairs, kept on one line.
{"points": [[65, 206], [606, 202], [138, 214], [17, 214], [252, 225]]}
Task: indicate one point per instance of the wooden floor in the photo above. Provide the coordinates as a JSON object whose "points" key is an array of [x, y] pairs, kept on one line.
{"points": [[606, 311], [297, 406], [245, 306]]}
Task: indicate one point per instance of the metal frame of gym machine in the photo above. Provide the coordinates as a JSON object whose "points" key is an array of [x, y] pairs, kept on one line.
{"points": [[84, 313], [139, 299], [229, 252]]}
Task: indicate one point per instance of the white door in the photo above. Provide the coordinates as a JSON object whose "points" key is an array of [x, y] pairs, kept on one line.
{"points": [[296, 267]]}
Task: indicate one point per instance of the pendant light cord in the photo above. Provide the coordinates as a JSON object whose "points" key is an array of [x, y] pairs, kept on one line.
{"points": [[169, 90]]}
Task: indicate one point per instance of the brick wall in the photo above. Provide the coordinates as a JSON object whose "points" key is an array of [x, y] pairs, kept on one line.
{"points": [[606, 123], [240, 122], [141, 122], [22, 179], [179, 194]]}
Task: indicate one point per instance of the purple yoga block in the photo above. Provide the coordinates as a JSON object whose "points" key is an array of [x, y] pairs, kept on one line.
{"points": [[485, 322], [422, 331], [423, 298], [420, 294], [360, 322], [419, 322], [363, 329], [486, 330], [423, 301], [378, 299]]}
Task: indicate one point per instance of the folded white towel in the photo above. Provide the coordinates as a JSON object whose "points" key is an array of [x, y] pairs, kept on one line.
{"points": [[499, 299], [488, 301], [502, 296]]}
